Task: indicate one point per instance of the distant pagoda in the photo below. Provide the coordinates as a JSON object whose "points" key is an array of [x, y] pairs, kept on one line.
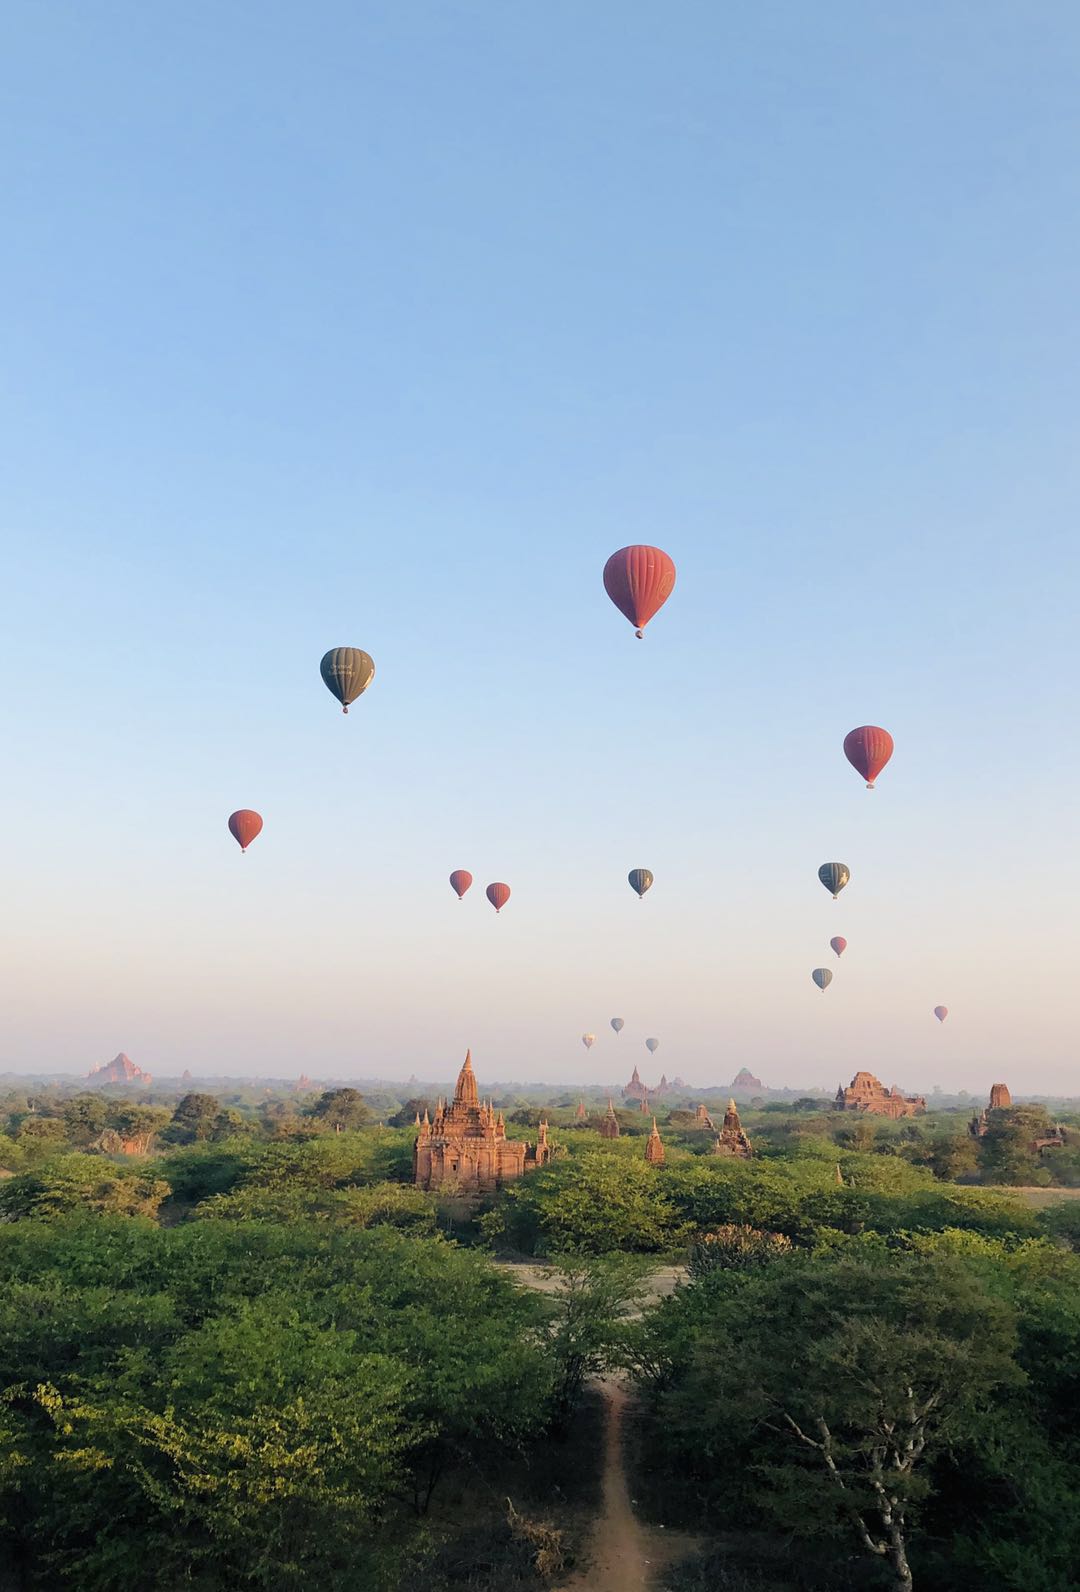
{"points": [[121, 1069], [867, 1093], [732, 1139], [635, 1089], [609, 1123], [654, 1147]]}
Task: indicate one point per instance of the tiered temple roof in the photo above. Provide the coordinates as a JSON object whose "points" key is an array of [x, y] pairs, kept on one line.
{"points": [[465, 1143]]}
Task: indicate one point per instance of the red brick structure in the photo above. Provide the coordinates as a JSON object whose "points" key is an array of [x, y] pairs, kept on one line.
{"points": [[609, 1123], [121, 1069], [465, 1144], [1000, 1098], [867, 1093], [580, 1112], [654, 1147], [635, 1089], [744, 1079], [733, 1139]]}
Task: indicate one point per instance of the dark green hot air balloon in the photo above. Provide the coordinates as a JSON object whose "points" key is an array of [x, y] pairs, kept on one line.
{"points": [[347, 672], [834, 876], [640, 880]]}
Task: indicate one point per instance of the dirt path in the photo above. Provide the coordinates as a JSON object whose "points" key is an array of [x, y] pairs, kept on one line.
{"points": [[624, 1554]]}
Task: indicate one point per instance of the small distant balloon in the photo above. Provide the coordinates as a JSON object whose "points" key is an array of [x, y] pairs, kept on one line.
{"points": [[838, 944], [618, 1024], [639, 581], [868, 749], [244, 825], [640, 880], [941, 1012], [460, 880], [834, 876], [822, 977], [498, 895], [347, 672], [588, 1040], [652, 1045]]}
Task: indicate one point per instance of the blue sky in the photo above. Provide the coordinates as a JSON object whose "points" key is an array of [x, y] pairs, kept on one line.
{"points": [[383, 325]]}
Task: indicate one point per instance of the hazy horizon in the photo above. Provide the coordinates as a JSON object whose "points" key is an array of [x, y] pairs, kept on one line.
{"points": [[384, 328]]}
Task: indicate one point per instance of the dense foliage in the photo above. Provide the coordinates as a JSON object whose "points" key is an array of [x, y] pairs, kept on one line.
{"points": [[239, 1348], [249, 1403]]}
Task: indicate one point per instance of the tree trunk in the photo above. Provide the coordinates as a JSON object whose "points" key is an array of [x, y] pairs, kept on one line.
{"points": [[899, 1561]]}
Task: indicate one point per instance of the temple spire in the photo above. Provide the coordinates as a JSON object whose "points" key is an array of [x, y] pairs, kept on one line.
{"points": [[466, 1093], [654, 1146]]}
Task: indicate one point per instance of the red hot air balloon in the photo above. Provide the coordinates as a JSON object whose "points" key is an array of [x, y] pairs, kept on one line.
{"points": [[868, 749], [244, 825], [839, 944], [460, 880], [941, 1012], [639, 581], [498, 895]]}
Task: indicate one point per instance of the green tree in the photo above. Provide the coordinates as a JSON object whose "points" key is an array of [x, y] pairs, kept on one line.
{"points": [[84, 1118], [1005, 1150], [588, 1310], [598, 1203], [79, 1183], [194, 1119], [343, 1110], [850, 1376]]}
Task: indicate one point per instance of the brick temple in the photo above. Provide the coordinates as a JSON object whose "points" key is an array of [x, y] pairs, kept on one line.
{"points": [[465, 1144], [867, 1093]]}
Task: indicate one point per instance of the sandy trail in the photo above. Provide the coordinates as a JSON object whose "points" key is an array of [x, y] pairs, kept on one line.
{"points": [[624, 1555]]}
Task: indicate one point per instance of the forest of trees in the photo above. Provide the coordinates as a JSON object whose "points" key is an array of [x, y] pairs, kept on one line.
{"points": [[248, 1352]]}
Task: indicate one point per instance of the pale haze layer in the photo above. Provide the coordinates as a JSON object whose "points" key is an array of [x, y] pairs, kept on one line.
{"points": [[383, 326]]}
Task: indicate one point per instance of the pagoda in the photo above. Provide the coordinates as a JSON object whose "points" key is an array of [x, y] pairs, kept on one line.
{"points": [[635, 1089], [609, 1123], [733, 1139], [867, 1093], [121, 1069], [465, 1143], [654, 1147]]}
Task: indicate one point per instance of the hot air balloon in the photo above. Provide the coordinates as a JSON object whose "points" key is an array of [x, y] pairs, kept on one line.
{"points": [[244, 825], [640, 880], [618, 1024], [868, 749], [822, 977], [588, 1040], [460, 880], [639, 581], [498, 895], [347, 672], [652, 1045], [834, 876], [839, 944], [941, 1012]]}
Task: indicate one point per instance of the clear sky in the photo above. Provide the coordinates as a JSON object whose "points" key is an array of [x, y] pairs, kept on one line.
{"points": [[383, 324]]}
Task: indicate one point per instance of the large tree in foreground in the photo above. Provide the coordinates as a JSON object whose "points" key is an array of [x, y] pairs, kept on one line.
{"points": [[843, 1378]]}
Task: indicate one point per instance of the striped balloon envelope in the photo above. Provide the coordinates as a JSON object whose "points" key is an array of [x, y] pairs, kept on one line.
{"points": [[834, 876], [868, 749], [498, 895], [244, 825], [639, 580]]}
